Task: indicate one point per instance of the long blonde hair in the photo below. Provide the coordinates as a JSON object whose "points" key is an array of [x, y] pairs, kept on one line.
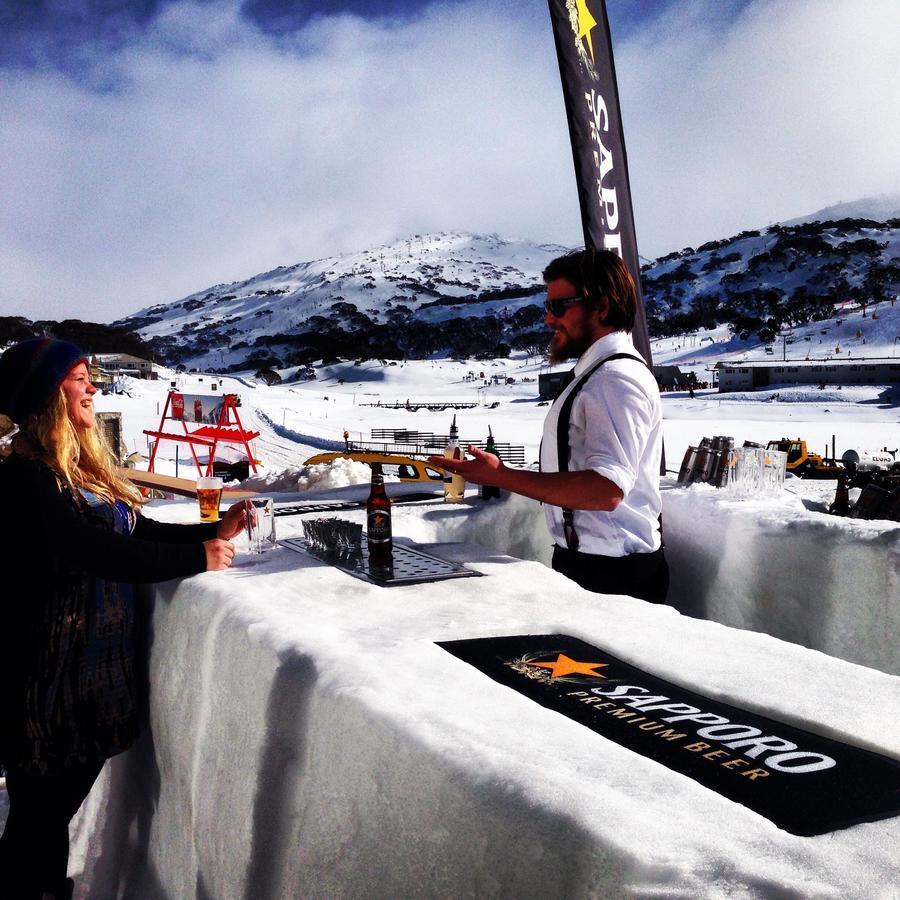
{"points": [[79, 456]]}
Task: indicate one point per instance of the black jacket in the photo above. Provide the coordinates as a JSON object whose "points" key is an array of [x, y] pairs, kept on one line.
{"points": [[67, 672]]}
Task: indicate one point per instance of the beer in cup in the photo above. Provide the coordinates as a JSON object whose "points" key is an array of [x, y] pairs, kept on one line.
{"points": [[209, 495]]}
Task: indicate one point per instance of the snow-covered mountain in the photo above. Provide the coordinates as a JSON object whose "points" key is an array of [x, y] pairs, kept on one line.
{"points": [[473, 295], [458, 293], [880, 208], [759, 281]]}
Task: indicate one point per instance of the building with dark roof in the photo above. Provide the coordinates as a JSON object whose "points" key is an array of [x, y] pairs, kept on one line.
{"points": [[747, 375]]}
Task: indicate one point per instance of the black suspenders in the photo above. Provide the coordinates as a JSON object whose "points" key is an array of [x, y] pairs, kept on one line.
{"points": [[562, 440]]}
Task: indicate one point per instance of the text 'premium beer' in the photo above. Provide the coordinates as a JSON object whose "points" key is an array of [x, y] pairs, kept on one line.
{"points": [[378, 517], [454, 485]]}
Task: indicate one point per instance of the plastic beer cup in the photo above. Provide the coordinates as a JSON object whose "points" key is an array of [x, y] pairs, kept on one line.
{"points": [[209, 496]]}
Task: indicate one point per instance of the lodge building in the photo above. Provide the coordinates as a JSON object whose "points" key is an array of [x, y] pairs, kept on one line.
{"points": [[761, 374], [125, 364]]}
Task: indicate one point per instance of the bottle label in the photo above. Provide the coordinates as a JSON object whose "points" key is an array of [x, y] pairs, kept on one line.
{"points": [[378, 526]]}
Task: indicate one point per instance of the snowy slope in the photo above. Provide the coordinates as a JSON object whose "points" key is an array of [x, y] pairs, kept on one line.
{"points": [[298, 419], [463, 295], [881, 208], [430, 277], [853, 332], [783, 276]]}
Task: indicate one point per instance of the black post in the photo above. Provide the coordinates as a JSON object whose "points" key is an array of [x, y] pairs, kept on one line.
{"points": [[587, 70]]}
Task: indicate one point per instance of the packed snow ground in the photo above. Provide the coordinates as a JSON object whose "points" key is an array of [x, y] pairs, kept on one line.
{"points": [[310, 740], [299, 419]]}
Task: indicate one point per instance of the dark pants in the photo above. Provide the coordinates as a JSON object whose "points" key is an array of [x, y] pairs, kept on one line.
{"points": [[642, 575], [34, 849]]}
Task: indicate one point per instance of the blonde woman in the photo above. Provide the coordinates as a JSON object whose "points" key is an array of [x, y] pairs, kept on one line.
{"points": [[73, 544]]}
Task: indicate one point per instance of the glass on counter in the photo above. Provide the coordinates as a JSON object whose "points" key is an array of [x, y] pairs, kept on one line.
{"points": [[260, 522]]}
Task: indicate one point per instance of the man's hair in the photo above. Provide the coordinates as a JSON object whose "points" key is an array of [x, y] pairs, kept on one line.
{"points": [[598, 274]]}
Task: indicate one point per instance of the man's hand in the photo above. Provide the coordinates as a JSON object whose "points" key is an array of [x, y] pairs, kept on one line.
{"points": [[577, 490], [219, 554], [485, 468], [235, 519]]}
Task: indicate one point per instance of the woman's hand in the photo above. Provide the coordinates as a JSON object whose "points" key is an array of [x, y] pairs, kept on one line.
{"points": [[219, 554], [234, 520]]}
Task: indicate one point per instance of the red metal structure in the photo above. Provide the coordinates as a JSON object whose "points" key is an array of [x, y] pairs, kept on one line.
{"points": [[219, 423]]}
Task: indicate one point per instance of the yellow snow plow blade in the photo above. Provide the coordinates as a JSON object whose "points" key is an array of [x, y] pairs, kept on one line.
{"points": [[404, 468]]}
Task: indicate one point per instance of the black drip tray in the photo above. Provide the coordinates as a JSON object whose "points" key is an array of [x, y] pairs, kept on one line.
{"points": [[408, 565]]}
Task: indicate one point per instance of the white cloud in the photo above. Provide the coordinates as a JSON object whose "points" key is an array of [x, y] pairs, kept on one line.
{"points": [[793, 108], [223, 153]]}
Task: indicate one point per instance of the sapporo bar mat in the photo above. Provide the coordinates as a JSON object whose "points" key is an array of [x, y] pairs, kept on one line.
{"points": [[804, 783], [409, 565]]}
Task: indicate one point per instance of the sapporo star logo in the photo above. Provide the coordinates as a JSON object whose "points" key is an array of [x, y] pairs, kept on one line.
{"points": [[566, 666], [378, 520], [586, 22]]}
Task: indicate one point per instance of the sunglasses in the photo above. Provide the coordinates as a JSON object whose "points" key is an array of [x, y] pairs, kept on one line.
{"points": [[557, 307]]}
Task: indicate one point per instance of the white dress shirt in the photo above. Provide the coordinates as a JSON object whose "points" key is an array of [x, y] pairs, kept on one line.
{"points": [[615, 429]]}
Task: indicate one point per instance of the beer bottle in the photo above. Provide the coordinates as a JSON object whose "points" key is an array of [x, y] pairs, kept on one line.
{"points": [[841, 504], [454, 485], [488, 491], [378, 517]]}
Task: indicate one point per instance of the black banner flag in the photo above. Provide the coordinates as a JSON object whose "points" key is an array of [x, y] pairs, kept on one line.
{"points": [[805, 783], [584, 49]]}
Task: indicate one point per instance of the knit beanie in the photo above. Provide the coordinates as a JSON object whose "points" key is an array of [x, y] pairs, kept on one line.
{"points": [[31, 371]]}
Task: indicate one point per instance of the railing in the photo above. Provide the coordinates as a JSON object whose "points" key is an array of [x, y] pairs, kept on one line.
{"points": [[418, 443], [432, 405]]}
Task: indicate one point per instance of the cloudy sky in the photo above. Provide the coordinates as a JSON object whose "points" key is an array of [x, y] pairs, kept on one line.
{"points": [[151, 148]]}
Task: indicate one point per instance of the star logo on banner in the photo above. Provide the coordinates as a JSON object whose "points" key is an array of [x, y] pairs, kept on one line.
{"points": [[566, 666], [586, 22]]}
